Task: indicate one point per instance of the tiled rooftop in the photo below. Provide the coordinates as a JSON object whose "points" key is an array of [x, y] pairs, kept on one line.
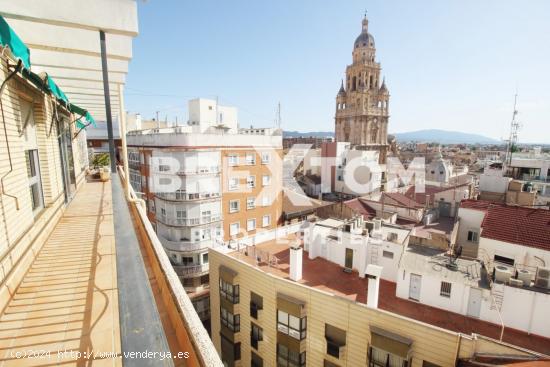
{"points": [[327, 276], [518, 225]]}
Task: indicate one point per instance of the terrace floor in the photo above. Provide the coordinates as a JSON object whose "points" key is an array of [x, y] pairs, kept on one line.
{"points": [[68, 300]]}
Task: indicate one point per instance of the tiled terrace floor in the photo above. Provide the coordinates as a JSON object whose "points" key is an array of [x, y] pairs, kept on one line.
{"points": [[68, 300]]}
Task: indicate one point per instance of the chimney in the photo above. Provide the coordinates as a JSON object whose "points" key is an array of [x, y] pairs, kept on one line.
{"points": [[373, 273], [296, 263]]}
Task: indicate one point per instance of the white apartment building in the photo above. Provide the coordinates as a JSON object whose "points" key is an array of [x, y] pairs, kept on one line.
{"points": [[354, 244], [205, 184]]}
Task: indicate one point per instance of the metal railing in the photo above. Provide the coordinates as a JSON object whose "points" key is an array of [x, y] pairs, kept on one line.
{"points": [[185, 245], [188, 221], [189, 271], [184, 196]]}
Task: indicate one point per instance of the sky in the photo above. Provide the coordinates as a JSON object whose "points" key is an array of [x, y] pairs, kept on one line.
{"points": [[452, 65]]}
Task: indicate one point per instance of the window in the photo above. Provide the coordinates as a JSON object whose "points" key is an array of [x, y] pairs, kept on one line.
{"points": [[266, 180], [256, 304], [289, 358], [163, 212], [233, 206], [266, 157], [336, 340], [472, 236], [251, 224], [233, 184], [180, 194], [181, 214], [291, 325], [265, 201], [250, 158], [379, 357], [232, 322], [234, 229], [233, 159], [445, 290], [256, 335], [387, 254], [256, 360], [266, 220], [250, 203], [35, 182], [205, 258], [504, 260], [229, 291], [251, 181]]}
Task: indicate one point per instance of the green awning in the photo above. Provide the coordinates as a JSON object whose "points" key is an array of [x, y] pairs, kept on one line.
{"points": [[57, 92], [8, 38], [83, 114]]}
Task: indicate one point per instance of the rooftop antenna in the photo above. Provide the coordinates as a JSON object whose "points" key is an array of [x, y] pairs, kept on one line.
{"points": [[514, 129], [278, 120]]}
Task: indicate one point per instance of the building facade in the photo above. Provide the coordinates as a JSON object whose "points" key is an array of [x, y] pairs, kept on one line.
{"points": [[362, 103], [206, 184]]}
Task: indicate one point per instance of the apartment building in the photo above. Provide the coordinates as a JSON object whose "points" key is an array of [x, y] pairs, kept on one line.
{"points": [[205, 184], [274, 304]]}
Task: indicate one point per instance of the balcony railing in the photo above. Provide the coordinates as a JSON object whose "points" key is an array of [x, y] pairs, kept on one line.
{"points": [[188, 221], [188, 196], [185, 245], [191, 271]]}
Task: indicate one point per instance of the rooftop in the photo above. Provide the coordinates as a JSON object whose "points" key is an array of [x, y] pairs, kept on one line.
{"points": [[329, 277], [518, 225]]}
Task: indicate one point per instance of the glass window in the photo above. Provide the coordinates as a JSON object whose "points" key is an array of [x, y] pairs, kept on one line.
{"points": [[250, 203], [472, 236], [291, 325], [445, 290], [229, 291], [233, 206], [234, 229], [387, 254], [233, 159], [266, 180], [266, 220], [35, 181], [232, 322], [251, 224], [250, 158], [233, 183], [266, 157], [251, 181]]}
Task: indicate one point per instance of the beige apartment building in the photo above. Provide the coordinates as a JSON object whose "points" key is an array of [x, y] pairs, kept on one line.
{"points": [[272, 305], [228, 187]]}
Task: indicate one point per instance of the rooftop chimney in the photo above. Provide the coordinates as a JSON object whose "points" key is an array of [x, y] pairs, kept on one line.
{"points": [[296, 263], [373, 273]]}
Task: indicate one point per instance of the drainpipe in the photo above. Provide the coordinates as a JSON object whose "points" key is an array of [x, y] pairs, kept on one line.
{"points": [[4, 83]]}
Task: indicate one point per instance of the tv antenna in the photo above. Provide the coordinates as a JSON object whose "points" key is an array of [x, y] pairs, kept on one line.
{"points": [[278, 116], [515, 126]]}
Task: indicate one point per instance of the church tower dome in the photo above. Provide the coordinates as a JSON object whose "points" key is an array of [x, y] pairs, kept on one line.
{"points": [[365, 39]]}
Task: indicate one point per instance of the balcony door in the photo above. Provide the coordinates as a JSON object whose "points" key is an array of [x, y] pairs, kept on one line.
{"points": [[67, 159]]}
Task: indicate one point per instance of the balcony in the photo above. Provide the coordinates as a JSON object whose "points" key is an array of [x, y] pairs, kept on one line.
{"points": [[191, 271], [188, 196], [187, 222], [90, 267], [213, 170], [185, 246]]}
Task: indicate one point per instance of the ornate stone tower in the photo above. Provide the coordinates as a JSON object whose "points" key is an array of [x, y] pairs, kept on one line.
{"points": [[362, 103]]}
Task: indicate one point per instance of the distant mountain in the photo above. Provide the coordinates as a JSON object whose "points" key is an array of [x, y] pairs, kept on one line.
{"points": [[444, 137], [317, 134]]}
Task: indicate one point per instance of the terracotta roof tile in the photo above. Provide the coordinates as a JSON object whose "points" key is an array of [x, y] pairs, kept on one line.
{"points": [[518, 225]]}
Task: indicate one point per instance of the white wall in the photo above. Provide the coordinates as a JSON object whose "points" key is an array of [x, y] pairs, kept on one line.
{"points": [[470, 220], [521, 254], [207, 113]]}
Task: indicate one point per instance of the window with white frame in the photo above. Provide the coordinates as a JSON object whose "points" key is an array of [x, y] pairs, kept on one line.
{"points": [[251, 224], [266, 157], [234, 206], [250, 158], [251, 181], [472, 236], [163, 166], [180, 194], [266, 220], [265, 201], [250, 203], [181, 214], [387, 254], [233, 159], [445, 290], [233, 184], [234, 229], [266, 180], [291, 325]]}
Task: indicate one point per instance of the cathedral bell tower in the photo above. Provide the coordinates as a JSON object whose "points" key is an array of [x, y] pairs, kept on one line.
{"points": [[362, 103]]}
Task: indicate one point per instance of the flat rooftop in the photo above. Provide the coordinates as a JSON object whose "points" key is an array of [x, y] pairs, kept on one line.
{"points": [[329, 277], [385, 229]]}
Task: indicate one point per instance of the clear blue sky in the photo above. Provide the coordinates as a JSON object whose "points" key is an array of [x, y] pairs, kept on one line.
{"points": [[450, 64]]}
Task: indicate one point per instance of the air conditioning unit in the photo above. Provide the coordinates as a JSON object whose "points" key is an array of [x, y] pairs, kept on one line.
{"points": [[392, 237], [525, 276], [503, 273], [542, 279], [516, 282]]}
